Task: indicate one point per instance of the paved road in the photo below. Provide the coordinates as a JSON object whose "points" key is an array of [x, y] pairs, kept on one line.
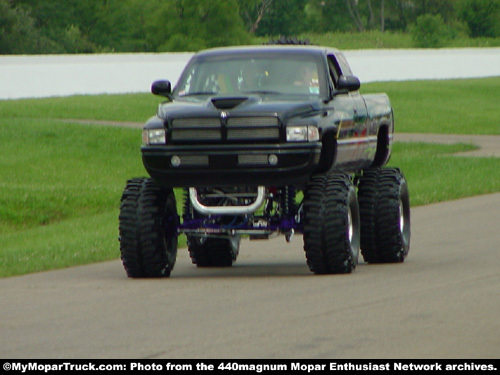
{"points": [[443, 302]]}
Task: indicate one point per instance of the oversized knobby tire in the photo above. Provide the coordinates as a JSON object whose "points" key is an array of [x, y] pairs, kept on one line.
{"points": [[148, 229], [331, 224], [212, 251], [384, 204]]}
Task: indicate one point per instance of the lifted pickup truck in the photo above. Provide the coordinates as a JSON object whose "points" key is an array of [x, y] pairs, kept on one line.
{"points": [[266, 140]]}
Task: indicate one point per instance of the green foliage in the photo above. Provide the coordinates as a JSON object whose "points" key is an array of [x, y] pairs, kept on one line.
{"points": [[445, 8], [327, 16], [190, 25], [429, 31], [75, 26], [66, 25], [125, 25], [285, 17], [367, 40], [481, 16], [18, 32]]}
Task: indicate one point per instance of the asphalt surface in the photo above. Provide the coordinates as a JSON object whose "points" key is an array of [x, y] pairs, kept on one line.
{"points": [[443, 302]]}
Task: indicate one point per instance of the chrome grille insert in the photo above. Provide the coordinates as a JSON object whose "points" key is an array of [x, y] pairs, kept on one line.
{"points": [[196, 135], [196, 123], [261, 133], [252, 121]]}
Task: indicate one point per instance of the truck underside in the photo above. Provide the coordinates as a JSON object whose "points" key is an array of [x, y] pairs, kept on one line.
{"points": [[338, 215]]}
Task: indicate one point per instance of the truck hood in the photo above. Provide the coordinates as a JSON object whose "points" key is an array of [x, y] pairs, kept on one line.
{"points": [[236, 106]]}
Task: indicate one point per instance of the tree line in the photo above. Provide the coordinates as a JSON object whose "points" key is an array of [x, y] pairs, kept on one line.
{"points": [[90, 26]]}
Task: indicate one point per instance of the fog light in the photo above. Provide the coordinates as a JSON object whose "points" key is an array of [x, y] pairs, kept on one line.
{"points": [[175, 161], [272, 159]]}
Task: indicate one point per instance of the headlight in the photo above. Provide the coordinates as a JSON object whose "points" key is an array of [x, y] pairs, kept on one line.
{"points": [[153, 137], [302, 133]]}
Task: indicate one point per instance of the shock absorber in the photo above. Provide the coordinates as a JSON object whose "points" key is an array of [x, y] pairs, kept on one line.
{"points": [[187, 211], [288, 201], [291, 201], [289, 209]]}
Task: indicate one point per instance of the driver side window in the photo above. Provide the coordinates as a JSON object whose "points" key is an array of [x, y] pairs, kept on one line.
{"points": [[334, 70]]}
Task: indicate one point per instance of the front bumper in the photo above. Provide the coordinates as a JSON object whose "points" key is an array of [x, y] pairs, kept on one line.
{"points": [[232, 165]]}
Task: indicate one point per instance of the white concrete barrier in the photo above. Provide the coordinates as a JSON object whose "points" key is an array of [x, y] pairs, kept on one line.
{"points": [[62, 75], [403, 65]]}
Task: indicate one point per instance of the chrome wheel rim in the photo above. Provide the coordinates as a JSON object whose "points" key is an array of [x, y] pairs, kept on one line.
{"points": [[402, 221]]}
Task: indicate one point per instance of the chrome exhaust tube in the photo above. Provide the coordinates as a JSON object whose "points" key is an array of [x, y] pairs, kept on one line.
{"points": [[227, 210]]}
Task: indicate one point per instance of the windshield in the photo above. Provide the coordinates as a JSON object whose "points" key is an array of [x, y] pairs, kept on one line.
{"points": [[266, 74]]}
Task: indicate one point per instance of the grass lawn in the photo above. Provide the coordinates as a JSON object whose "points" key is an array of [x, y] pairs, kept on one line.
{"points": [[468, 106], [61, 182]]}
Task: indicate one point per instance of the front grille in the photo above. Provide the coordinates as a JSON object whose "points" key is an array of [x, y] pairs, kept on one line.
{"points": [[252, 121], [235, 129], [196, 129], [252, 134], [196, 135], [253, 128]]}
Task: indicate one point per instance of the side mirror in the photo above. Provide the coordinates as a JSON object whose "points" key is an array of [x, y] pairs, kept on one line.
{"points": [[349, 83], [162, 88]]}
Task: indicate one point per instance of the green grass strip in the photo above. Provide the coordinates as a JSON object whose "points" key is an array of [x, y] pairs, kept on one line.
{"points": [[468, 106]]}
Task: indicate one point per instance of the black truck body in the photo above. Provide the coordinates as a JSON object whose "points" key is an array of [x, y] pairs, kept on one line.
{"points": [[225, 138], [263, 140]]}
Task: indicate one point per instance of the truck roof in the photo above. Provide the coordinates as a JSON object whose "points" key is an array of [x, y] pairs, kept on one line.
{"points": [[305, 49]]}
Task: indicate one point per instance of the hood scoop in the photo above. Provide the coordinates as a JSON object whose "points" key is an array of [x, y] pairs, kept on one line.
{"points": [[228, 103]]}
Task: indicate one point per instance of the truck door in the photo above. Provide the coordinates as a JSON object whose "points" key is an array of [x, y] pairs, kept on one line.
{"points": [[352, 138], [360, 110]]}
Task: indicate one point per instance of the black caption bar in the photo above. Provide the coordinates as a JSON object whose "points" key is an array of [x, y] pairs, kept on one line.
{"points": [[252, 366]]}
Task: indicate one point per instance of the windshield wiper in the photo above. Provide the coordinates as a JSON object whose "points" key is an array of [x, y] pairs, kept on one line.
{"points": [[263, 92], [198, 93]]}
